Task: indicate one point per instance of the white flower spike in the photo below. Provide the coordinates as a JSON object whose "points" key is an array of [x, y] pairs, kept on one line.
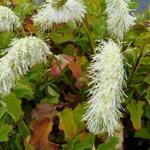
{"points": [[106, 95], [59, 11], [8, 19], [120, 19], [23, 54]]}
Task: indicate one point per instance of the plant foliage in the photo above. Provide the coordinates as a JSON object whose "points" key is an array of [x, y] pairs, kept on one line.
{"points": [[44, 110]]}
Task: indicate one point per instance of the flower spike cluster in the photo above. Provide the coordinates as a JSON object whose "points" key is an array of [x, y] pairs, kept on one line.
{"points": [[22, 55], [106, 95], [120, 19], [57, 12], [8, 20]]}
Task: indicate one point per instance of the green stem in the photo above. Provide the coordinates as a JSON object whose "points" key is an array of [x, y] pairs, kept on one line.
{"points": [[89, 35], [136, 66]]}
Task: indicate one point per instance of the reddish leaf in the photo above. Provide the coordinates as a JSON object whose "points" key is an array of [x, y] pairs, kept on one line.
{"points": [[71, 97], [44, 111], [73, 64], [55, 70], [75, 67], [58, 66], [43, 114], [40, 134]]}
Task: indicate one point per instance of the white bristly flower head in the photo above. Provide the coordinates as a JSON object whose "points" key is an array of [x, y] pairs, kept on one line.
{"points": [[106, 95], [23, 54], [59, 11], [8, 19], [120, 19]]}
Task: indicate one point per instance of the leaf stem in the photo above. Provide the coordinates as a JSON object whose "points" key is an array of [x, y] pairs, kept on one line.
{"points": [[136, 66], [89, 35]]}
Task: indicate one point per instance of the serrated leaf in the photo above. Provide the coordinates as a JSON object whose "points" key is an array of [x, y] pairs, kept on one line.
{"points": [[14, 106], [2, 111], [44, 114], [78, 114], [24, 130], [23, 9], [131, 55], [110, 144], [40, 133], [6, 38], [143, 133], [24, 91], [67, 123], [4, 130], [136, 112]]}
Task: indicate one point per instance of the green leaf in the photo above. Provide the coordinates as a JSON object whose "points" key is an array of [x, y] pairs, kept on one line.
{"points": [[53, 100], [148, 96], [78, 113], [14, 106], [147, 111], [140, 88], [4, 131], [24, 91], [131, 55], [143, 133], [74, 144], [18, 142], [136, 112], [147, 79], [6, 38], [2, 111], [110, 144], [145, 61], [63, 37], [52, 92], [24, 130], [67, 123], [23, 10], [20, 1], [83, 142]]}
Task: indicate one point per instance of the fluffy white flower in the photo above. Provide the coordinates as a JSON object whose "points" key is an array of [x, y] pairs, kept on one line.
{"points": [[106, 95], [8, 20], [22, 55], [120, 19], [50, 13]]}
